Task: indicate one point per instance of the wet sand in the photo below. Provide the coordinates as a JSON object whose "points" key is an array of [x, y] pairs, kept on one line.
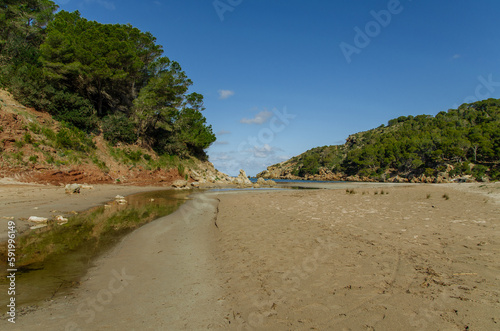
{"points": [[160, 277], [303, 259]]}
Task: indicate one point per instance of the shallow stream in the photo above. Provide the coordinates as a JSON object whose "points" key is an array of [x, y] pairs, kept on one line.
{"points": [[74, 246]]}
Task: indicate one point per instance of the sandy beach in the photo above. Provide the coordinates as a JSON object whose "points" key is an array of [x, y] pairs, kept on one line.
{"points": [[417, 257]]}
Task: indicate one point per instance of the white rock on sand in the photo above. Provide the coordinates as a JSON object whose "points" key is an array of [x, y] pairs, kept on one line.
{"points": [[73, 188], [36, 219]]}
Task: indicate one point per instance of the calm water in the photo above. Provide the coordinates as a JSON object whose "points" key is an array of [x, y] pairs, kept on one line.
{"points": [[254, 180]]}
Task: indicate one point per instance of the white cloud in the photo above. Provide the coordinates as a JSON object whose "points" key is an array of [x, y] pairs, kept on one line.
{"points": [[252, 160], [263, 152], [222, 156], [456, 56], [260, 118], [224, 94], [223, 132]]}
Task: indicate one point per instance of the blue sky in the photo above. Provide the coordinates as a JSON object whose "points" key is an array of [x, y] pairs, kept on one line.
{"points": [[282, 76]]}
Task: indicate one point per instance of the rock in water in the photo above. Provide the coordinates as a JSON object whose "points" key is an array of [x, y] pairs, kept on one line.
{"points": [[271, 182], [261, 181], [61, 220]]}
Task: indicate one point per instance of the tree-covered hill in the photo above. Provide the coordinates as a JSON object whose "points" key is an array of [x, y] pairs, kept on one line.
{"points": [[463, 141], [102, 79]]}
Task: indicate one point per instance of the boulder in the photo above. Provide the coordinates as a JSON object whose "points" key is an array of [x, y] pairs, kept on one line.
{"points": [[180, 183], [242, 178], [61, 219], [73, 188], [120, 200], [36, 219], [195, 184], [444, 175], [484, 179], [270, 182], [196, 176]]}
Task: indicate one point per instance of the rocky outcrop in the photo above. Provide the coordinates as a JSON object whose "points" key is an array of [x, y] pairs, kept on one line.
{"points": [[284, 171], [180, 183], [242, 179], [261, 182], [205, 172]]}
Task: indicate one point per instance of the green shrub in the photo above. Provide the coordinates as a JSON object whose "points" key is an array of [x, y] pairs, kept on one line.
{"points": [[27, 138], [18, 156], [100, 164], [71, 108], [181, 169], [479, 171], [118, 128], [495, 173], [429, 172], [33, 158], [134, 156], [35, 128], [72, 138], [49, 133], [19, 143]]}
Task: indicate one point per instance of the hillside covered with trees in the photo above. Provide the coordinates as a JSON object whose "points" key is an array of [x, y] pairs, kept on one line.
{"points": [[459, 142], [108, 80]]}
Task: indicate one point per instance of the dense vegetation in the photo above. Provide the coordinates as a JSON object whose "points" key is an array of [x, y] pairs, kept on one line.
{"points": [[100, 78], [463, 141]]}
